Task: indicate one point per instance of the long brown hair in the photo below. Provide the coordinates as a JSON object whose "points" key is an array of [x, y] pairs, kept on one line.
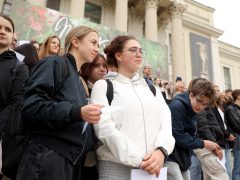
{"points": [[44, 48]]}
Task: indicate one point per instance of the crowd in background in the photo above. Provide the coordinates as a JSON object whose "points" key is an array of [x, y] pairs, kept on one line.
{"points": [[74, 134]]}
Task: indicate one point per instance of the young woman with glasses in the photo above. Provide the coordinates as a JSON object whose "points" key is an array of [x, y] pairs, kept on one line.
{"points": [[138, 134]]}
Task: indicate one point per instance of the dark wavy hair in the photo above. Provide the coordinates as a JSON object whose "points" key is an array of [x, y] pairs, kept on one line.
{"points": [[116, 45], [30, 53]]}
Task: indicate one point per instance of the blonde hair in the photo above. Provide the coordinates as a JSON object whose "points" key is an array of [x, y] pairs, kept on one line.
{"points": [[44, 48], [78, 32]]}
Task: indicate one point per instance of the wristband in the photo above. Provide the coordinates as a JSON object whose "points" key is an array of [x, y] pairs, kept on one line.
{"points": [[163, 151]]}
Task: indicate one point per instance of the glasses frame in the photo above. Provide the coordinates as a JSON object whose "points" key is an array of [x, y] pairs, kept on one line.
{"points": [[200, 101], [136, 51]]}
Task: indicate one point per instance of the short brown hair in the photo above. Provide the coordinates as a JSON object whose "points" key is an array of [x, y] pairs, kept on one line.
{"points": [[116, 45], [203, 87]]}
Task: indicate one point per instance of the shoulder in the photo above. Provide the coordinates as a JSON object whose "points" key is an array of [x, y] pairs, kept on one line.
{"points": [[98, 94], [22, 68], [230, 108], [50, 62], [176, 104], [100, 84]]}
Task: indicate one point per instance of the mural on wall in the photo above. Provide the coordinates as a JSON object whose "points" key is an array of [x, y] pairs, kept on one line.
{"points": [[201, 56], [33, 22]]}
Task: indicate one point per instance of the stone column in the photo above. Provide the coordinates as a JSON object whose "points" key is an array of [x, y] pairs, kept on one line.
{"points": [[1, 6], [151, 29], [218, 77], [77, 8], [121, 15], [178, 59]]}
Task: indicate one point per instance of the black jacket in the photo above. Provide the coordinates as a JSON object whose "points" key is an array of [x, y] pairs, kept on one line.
{"points": [[53, 98], [208, 127], [11, 84], [232, 116], [184, 131]]}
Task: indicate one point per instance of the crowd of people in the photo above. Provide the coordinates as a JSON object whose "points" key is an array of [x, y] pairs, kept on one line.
{"points": [[91, 116]]}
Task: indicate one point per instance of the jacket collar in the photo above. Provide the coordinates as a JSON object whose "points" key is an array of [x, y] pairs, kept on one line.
{"points": [[235, 105], [72, 61], [185, 99], [8, 54]]}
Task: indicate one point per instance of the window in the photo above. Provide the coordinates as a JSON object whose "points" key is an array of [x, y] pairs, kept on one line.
{"points": [[93, 12], [7, 6], [54, 4], [227, 78]]}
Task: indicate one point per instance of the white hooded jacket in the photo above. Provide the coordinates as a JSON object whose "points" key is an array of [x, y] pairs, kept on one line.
{"points": [[142, 123]]}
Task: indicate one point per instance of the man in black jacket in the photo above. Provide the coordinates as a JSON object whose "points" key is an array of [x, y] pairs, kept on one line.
{"points": [[208, 128], [183, 109], [233, 120]]}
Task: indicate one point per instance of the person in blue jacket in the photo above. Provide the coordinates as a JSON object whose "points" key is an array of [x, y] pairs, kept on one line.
{"points": [[183, 109]]}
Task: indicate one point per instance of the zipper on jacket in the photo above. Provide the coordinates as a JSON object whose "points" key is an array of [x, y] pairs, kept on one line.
{"points": [[144, 124], [81, 151]]}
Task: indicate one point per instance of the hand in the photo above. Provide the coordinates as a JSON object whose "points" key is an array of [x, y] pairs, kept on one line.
{"points": [[219, 153], [91, 113], [153, 162], [210, 145], [231, 137]]}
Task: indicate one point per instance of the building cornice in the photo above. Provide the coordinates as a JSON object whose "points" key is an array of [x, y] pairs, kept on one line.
{"points": [[229, 51], [229, 55], [200, 5], [201, 27], [197, 16]]}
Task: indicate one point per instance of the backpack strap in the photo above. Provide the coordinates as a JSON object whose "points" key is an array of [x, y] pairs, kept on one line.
{"points": [[109, 92], [152, 88]]}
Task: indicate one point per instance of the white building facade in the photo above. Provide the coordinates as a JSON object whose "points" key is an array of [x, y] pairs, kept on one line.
{"points": [[185, 27]]}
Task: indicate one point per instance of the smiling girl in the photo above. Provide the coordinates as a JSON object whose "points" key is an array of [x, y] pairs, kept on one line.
{"points": [[51, 46], [57, 113]]}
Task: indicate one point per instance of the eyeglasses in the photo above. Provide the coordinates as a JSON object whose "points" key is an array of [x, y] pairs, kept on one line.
{"points": [[136, 51], [200, 101]]}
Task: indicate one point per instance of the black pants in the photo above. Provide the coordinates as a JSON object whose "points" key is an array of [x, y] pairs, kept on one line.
{"points": [[42, 163]]}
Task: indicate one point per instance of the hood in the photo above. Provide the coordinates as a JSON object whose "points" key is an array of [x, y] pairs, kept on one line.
{"points": [[184, 98], [136, 79]]}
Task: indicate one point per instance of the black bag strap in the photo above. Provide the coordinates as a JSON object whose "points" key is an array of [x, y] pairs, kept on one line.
{"points": [[152, 88], [109, 92]]}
